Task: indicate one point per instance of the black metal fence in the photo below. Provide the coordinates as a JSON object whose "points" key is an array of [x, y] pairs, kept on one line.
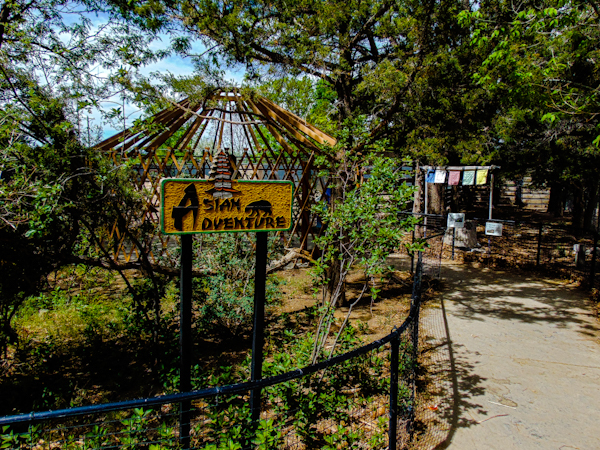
{"points": [[520, 244], [364, 398], [432, 231], [542, 245]]}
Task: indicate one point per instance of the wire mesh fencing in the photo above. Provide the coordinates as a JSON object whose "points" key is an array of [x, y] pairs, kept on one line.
{"points": [[430, 231], [363, 398]]}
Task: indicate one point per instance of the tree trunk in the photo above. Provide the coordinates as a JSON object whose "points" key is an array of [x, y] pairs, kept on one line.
{"points": [[556, 203], [578, 205], [590, 205], [418, 205], [436, 199], [419, 192]]}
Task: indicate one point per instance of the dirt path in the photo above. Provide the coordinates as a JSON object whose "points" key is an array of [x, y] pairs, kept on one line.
{"points": [[522, 370]]}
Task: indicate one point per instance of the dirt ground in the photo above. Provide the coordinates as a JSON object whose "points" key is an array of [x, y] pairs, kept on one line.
{"points": [[513, 363], [390, 308]]}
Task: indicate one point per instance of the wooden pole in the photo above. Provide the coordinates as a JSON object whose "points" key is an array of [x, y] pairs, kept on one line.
{"points": [[426, 206]]}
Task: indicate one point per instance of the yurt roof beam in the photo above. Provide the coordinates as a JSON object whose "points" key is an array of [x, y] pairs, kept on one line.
{"points": [[288, 129], [187, 137], [267, 112], [168, 132], [311, 131], [199, 137], [273, 131]]}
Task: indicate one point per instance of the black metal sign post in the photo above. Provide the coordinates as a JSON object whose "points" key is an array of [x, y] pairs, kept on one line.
{"points": [[185, 337], [218, 205], [258, 334]]}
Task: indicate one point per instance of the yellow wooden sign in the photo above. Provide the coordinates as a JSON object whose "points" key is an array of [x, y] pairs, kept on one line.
{"points": [[199, 206]]}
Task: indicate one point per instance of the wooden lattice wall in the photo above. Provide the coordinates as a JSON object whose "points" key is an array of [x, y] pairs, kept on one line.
{"points": [[264, 141]]}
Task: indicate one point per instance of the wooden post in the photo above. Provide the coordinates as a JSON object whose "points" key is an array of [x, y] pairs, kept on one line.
{"points": [[306, 167], [426, 206], [491, 194]]}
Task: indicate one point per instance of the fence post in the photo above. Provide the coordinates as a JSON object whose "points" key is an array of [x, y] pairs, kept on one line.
{"points": [[416, 304], [539, 245], [393, 426], [593, 268], [412, 253], [453, 241]]}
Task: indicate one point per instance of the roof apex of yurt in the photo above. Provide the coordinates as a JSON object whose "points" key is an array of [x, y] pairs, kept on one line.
{"points": [[226, 118]]}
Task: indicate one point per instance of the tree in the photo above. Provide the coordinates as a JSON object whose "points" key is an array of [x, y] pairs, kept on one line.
{"points": [[369, 217], [52, 183], [540, 59], [373, 57]]}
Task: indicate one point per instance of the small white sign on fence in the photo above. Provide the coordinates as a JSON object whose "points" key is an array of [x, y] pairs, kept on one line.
{"points": [[493, 229], [456, 220]]}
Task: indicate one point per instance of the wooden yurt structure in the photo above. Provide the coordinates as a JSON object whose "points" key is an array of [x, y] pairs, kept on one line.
{"points": [[262, 140]]}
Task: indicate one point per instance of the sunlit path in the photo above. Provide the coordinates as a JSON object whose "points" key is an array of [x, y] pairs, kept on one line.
{"points": [[526, 359]]}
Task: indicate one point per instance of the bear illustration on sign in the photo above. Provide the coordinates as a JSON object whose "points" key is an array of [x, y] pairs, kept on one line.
{"points": [[260, 205]]}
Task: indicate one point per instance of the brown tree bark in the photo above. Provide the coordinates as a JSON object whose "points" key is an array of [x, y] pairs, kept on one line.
{"points": [[436, 198], [419, 192]]}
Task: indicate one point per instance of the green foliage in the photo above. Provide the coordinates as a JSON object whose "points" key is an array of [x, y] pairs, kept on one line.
{"points": [[370, 214], [368, 59], [96, 438], [267, 436], [537, 61], [75, 308], [335, 395], [57, 195], [224, 297], [135, 427], [311, 100], [10, 440], [363, 226], [51, 214]]}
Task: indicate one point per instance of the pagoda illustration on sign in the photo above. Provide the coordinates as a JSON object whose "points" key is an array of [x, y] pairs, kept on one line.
{"points": [[221, 172]]}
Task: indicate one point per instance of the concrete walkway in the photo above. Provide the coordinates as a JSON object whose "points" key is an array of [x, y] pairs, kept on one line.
{"points": [[524, 363]]}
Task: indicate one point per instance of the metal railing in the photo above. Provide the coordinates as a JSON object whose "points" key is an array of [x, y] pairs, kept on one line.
{"points": [[364, 398]]}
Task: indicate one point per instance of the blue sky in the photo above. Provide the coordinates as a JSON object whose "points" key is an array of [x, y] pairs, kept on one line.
{"points": [[174, 64]]}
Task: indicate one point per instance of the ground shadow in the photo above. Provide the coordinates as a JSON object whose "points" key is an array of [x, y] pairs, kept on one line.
{"points": [[449, 382], [486, 293]]}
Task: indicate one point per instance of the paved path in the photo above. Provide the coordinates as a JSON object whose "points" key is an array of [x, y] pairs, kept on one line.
{"points": [[525, 354]]}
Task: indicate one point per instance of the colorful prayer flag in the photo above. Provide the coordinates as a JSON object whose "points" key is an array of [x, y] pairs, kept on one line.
{"points": [[468, 178], [482, 176], [440, 176], [430, 176], [453, 177]]}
